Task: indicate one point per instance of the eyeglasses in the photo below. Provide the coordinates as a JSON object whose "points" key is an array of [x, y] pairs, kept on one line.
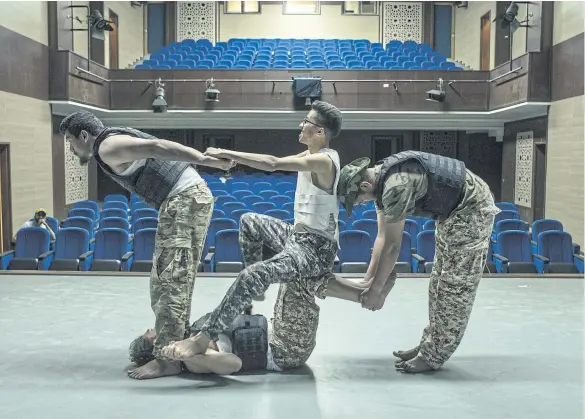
{"points": [[305, 121]]}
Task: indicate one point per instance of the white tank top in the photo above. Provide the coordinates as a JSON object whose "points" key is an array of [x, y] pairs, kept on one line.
{"points": [[189, 178], [316, 210]]}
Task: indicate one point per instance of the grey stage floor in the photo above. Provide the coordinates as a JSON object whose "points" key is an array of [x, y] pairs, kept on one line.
{"points": [[63, 343]]}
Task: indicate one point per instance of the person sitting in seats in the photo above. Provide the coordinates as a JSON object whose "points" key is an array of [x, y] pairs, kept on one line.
{"points": [[39, 220]]}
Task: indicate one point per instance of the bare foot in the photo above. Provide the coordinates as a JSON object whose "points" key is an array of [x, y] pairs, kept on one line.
{"points": [[406, 355], [414, 366], [188, 348], [155, 369]]}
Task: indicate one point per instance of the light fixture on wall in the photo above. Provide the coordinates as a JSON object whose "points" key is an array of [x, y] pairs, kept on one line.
{"points": [[159, 105], [97, 25], [508, 19], [461, 4], [438, 94], [211, 93]]}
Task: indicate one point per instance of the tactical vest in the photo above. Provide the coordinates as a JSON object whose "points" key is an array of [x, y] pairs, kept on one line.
{"points": [[445, 178], [151, 182]]}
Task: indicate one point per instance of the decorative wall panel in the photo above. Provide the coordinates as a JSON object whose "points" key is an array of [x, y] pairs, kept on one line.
{"points": [[75, 178], [402, 20], [196, 20], [443, 143], [523, 182]]}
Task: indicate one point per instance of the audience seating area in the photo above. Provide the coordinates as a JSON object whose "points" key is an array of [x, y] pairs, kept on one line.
{"points": [[121, 236], [264, 54]]}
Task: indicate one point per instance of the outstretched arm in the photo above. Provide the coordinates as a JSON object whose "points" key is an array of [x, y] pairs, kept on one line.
{"points": [[120, 149], [304, 162]]}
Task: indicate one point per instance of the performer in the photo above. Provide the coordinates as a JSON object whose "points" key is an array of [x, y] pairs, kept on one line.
{"points": [[250, 344], [162, 173], [426, 185], [300, 255]]}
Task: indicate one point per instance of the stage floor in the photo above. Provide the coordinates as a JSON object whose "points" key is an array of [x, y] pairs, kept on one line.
{"points": [[64, 343]]}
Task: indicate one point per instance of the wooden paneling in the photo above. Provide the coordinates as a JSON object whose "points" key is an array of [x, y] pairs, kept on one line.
{"points": [[567, 68], [24, 65]]}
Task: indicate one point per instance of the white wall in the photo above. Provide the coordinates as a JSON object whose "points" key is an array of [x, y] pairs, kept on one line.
{"points": [[569, 20], [28, 18], [26, 125], [130, 32], [519, 37], [271, 23], [468, 33]]}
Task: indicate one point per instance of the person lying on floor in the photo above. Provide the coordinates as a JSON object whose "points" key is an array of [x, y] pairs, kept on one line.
{"points": [[250, 344]]}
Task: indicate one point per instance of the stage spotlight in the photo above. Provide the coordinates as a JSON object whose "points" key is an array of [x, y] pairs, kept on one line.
{"points": [[438, 94], [159, 105], [97, 25], [211, 93]]}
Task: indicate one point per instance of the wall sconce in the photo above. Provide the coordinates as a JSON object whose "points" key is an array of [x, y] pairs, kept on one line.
{"points": [[211, 93]]}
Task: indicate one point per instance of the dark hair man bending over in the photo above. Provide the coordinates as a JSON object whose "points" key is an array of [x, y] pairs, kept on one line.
{"points": [[426, 185], [160, 172]]}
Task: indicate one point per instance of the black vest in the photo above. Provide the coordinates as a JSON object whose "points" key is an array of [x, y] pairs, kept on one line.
{"points": [[445, 178], [151, 182]]}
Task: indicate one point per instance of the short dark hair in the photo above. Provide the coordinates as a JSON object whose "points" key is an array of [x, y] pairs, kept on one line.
{"points": [[141, 351], [329, 117], [82, 120]]}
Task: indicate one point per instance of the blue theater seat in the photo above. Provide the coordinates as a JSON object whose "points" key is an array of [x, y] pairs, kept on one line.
{"points": [[224, 199], [112, 251], [145, 213], [227, 256], [513, 253], [251, 199], [507, 206], [139, 205], [236, 215], [116, 197], [143, 250], [289, 206], [341, 226], [429, 225], [280, 200], [32, 251], [217, 213], [116, 213], [71, 246], [240, 194], [261, 186], [404, 262], [354, 253], [142, 223], [113, 222], [369, 226], [540, 226], [215, 226], [412, 228], [115, 205], [555, 253], [82, 212], [505, 225], [82, 222], [370, 215], [228, 207], [239, 186], [423, 258], [87, 204], [262, 207], [506, 215]]}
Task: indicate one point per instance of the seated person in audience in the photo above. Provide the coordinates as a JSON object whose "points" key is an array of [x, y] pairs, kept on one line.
{"points": [[39, 220], [163, 174], [291, 335], [426, 185], [298, 257]]}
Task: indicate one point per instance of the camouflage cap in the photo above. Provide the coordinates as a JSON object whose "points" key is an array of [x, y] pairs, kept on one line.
{"points": [[350, 178]]}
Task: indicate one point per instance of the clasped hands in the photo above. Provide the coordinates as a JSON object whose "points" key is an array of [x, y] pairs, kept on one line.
{"points": [[218, 153], [371, 298]]}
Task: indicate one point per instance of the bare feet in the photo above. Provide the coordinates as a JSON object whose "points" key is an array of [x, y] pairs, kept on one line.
{"points": [[188, 348], [155, 369], [414, 366], [406, 355]]}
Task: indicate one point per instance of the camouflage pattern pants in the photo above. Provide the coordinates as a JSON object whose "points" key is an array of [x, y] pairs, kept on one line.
{"points": [[462, 242], [274, 253], [182, 228]]}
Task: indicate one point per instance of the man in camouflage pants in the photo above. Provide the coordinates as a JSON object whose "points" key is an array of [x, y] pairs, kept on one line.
{"points": [[301, 255], [422, 184], [163, 174]]}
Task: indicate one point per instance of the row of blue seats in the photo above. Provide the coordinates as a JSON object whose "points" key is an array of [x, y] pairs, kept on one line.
{"points": [[113, 250], [113, 213], [253, 188]]}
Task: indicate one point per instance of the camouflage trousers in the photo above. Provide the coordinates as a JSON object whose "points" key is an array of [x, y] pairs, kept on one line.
{"points": [[274, 253], [180, 236], [461, 248]]}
